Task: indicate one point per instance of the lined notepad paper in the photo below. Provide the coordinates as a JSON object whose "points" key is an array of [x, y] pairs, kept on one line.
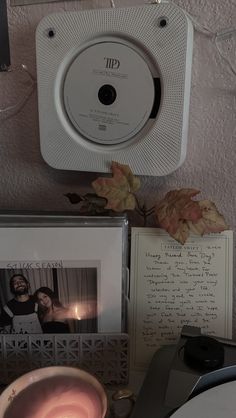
{"points": [[173, 285]]}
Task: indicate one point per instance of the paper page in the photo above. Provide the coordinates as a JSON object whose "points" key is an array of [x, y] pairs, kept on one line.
{"points": [[173, 285]]}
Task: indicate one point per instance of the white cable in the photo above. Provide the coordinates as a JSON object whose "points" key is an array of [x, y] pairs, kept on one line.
{"points": [[199, 26], [217, 36], [16, 108], [224, 58], [221, 36], [112, 4], [226, 34]]}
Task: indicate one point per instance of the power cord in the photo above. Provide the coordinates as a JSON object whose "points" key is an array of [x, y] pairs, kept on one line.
{"points": [[226, 34], [12, 110], [216, 36]]}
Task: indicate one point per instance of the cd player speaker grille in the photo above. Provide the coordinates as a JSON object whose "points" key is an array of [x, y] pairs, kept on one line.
{"points": [[127, 49]]}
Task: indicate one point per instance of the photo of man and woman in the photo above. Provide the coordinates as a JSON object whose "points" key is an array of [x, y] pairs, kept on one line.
{"points": [[49, 301]]}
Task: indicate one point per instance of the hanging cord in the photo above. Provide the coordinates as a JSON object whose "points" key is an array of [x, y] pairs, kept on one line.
{"points": [[216, 36], [12, 110], [222, 36]]}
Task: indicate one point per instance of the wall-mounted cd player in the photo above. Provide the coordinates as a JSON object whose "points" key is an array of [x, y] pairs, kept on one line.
{"points": [[114, 84]]}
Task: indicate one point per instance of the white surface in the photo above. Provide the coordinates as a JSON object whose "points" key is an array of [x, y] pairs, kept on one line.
{"points": [[173, 285], [75, 246], [157, 149], [218, 402], [92, 69]]}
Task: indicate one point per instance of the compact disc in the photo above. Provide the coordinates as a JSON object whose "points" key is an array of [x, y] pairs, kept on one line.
{"points": [[108, 92]]}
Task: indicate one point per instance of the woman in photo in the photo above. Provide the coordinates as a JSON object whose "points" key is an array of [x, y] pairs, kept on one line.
{"points": [[52, 314]]}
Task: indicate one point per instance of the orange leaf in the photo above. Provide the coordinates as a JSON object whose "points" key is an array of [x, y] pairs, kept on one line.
{"points": [[182, 233], [176, 207], [211, 221]]}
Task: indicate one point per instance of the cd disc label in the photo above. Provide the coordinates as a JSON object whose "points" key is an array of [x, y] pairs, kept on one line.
{"points": [[108, 93]]}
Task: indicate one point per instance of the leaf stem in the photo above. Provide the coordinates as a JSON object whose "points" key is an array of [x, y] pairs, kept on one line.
{"points": [[142, 211]]}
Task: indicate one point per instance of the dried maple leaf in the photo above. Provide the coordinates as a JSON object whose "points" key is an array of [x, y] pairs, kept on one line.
{"points": [[119, 189], [211, 221], [182, 233], [173, 212]]}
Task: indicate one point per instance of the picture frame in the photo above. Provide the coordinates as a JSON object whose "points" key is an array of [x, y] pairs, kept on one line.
{"points": [[53, 252], [37, 242]]}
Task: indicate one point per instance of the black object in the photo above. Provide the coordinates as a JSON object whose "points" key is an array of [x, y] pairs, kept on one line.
{"points": [[157, 100], [5, 60], [170, 381], [107, 94], [204, 353], [163, 23], [51, 33]]}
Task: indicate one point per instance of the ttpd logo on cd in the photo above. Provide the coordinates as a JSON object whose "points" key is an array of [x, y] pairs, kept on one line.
{"points": [[112, 63]]}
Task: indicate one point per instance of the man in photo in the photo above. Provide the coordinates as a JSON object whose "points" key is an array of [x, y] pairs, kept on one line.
{"points": [[21, 312]]}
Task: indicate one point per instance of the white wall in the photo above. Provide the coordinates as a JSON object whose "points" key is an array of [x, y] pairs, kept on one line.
{"points": [[26, 182]]}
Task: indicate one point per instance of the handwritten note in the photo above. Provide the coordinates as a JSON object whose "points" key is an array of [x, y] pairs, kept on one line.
{"points": [[174, 285]]}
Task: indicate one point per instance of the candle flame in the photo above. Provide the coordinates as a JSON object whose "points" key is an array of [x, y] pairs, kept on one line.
{"points": [[83, 310]]}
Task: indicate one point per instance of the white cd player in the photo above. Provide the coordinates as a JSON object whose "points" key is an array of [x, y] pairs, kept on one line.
{"points": [[114, 84]]}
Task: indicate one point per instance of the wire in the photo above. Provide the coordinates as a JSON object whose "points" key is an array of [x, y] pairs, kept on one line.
{"points": [[224, 35], [217, 37], [199, 26], [224, 57], [12, 110]]}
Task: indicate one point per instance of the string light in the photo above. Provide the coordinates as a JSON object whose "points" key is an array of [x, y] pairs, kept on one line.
{"points": [[216, 36], [12, 110]]}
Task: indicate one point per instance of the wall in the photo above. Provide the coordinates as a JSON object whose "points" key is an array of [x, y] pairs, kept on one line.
{"points": [[27, 183]]}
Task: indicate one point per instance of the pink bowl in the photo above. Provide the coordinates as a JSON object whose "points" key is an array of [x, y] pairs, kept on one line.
{"points": [[54, 392]]}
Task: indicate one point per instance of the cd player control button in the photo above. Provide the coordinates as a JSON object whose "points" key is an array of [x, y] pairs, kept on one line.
{"points": [[203, 352]]}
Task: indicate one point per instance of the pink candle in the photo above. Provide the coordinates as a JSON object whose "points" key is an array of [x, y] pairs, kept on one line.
{"points": [[57, 397]]}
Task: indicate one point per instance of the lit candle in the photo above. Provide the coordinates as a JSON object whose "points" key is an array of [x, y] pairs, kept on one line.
{"points": [[77, 316]]}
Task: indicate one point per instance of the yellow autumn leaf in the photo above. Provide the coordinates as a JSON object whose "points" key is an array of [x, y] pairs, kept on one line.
{"points": [[177, 206], [118, 190], [211, 221], [182, 233]]}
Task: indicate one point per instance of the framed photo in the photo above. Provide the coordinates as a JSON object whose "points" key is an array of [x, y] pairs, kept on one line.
{"points": [[62, 274]]}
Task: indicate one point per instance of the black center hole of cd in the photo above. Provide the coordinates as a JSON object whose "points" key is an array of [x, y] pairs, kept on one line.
{"points": [[107, 94]]}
